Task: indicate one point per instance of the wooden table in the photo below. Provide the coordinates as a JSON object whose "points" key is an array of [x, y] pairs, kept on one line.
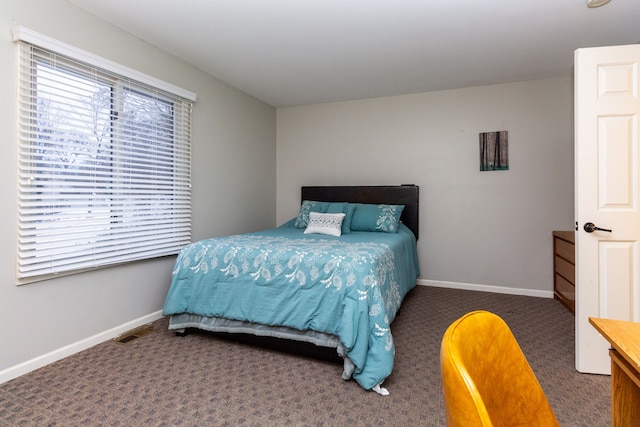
{"points": [[625, 368]]}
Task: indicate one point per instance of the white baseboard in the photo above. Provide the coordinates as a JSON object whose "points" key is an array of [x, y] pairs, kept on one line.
{"points": [[55, 355], [486, 288], [40, 361]]}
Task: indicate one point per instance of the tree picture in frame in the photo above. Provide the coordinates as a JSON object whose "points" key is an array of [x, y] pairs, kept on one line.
{"points": [[494, 151]]}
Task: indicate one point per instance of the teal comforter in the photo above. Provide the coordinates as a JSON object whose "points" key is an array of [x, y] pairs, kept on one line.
{"points": [[349, 286]]}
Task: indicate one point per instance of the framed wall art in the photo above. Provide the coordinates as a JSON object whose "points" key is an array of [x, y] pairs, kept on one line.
{"points": [[494, 151]]}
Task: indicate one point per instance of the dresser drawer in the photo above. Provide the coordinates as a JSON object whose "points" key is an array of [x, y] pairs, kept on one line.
{"points": [[565, 292], [565, 250], [566, 270]]}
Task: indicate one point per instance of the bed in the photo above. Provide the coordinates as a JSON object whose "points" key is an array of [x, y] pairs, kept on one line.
{"points": [[334, 277]]}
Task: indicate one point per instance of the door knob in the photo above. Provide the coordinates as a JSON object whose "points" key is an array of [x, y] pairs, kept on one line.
{"points": [[590, 227]]}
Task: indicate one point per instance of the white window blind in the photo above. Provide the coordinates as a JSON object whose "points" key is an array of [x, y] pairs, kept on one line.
{"points": [[104, 167]]}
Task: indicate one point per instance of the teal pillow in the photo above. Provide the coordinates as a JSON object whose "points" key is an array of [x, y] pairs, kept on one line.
{"points": [[302, 220], [345, 208], [369, 217]]}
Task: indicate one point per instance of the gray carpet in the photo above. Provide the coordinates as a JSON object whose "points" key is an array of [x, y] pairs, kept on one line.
{"points": [[201, 380]]}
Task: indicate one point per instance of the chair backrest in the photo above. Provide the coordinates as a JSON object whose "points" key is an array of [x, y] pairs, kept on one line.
{"points": [[486, 378]]}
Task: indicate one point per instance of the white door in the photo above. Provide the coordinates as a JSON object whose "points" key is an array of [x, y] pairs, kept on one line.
{"points": [[607, 157]]}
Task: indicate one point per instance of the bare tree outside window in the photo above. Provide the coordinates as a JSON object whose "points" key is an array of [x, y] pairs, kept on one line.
{"points": [[104, 168]]}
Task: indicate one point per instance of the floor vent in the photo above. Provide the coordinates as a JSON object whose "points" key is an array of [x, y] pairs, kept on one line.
{"points": [[133, 334]]}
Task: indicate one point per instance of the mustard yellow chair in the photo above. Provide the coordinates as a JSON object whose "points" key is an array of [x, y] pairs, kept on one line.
{"points": [[486, 378]]}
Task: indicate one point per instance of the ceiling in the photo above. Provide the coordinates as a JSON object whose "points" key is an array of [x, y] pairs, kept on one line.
{"points": [[297, 52]]}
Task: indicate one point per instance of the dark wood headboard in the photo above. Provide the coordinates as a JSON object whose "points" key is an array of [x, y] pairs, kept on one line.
{"points": [[406, 195]]}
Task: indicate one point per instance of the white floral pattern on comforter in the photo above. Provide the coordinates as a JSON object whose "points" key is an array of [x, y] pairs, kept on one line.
{"points": [[350, 286]]}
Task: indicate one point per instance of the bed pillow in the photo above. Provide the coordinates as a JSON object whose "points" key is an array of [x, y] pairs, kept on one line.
{"points": [[369, 217], [302, 220], [347, 209], [325, 223]]}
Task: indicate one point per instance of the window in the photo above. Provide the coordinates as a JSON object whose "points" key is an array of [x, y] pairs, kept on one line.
{"points": [[104, 165]]}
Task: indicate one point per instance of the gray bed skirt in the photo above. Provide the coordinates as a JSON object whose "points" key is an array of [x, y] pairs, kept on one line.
{"points": [[183, 321]]}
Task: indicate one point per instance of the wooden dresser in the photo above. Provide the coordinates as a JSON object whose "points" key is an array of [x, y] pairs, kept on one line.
{"points": [[564, 268]]}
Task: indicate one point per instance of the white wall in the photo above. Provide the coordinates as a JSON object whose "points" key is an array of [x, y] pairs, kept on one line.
{"points": [[234, 190], [491, 229]]}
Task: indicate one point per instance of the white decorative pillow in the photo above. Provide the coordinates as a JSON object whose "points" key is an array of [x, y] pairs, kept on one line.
{"points": [[325, 223]]}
